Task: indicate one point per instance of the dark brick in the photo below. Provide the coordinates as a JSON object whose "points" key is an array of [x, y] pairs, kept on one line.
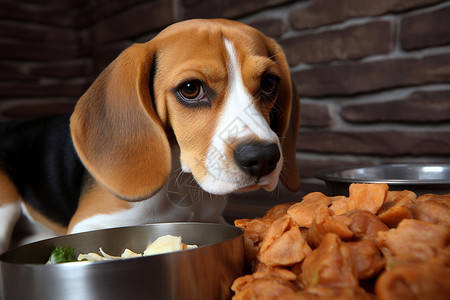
{"points": [[37, 32], [420, 107], [69, 69], [225, 9], [55, 15], [103, 56], [99, 9], [314, 115], [352, 42], [323, 12], [60, 4], [272, 27], [11, 71], [29, 50], [74, 88], [84, 42], [135, 21], [386, 143], [426, 30], [356, 78], [37, 108]]}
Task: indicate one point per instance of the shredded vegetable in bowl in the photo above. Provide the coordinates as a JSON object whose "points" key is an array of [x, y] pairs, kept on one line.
{"points": [[163, 244]]}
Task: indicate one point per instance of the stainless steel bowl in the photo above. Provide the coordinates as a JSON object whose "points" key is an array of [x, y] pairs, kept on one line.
{"points": [[419, 178], [206, 272]]}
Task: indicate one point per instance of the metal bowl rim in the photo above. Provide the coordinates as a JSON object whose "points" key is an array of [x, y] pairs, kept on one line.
{"points": [[118, 261], [327, 175]]}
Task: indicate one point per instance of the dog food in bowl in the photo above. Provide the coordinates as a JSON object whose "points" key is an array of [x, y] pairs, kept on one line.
{"points": [[373, 244], [163, 244]]}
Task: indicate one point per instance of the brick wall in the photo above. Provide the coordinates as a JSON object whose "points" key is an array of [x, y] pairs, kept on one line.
{"points": [[374, 76]]}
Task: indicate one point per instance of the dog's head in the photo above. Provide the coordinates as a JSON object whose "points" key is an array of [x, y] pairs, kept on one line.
{"points": [[221, 87]]}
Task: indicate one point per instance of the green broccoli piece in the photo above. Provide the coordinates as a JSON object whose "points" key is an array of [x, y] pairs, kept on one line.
{"points": [[61, 255]]}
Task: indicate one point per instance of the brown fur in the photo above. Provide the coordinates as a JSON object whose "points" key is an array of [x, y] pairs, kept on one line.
{"points": [[40, 218], [94, 200], [121, 129], [141, 160], [8, 191]]}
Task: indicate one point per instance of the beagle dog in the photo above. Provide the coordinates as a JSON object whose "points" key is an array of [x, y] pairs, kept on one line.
{"points": [[204, 109]]}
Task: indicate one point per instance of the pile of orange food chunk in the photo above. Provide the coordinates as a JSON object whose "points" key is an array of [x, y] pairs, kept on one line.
{"points": [[374, 244]]}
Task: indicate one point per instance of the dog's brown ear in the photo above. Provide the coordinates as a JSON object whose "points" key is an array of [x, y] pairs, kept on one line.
{"points": [[116, 131], [290, 175], [285, 119]]}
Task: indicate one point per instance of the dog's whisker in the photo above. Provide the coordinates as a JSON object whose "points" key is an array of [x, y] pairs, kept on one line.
{"points": [[178, 178]]}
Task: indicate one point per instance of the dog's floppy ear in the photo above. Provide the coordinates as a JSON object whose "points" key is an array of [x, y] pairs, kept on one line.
{"points": [[116, 131], [285, 119]]}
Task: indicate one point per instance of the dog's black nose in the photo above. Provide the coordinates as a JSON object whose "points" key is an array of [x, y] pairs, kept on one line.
{"points": [[257, 159]]}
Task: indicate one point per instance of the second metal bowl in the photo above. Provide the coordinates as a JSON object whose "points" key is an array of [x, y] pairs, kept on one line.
{"points": [[419, 178]]}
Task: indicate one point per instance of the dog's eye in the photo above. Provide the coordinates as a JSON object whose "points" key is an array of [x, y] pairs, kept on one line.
{"points": [[269, 84], [194, 93], [191, 90]]}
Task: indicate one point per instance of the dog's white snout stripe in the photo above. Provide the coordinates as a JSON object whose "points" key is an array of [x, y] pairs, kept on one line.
{"points": [[240, 121], [241, 117]]}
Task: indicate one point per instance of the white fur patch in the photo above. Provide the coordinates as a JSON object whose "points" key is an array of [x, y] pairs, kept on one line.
{"points": [[240, 120], [9, 214], [180, 200], [36, 231]]}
